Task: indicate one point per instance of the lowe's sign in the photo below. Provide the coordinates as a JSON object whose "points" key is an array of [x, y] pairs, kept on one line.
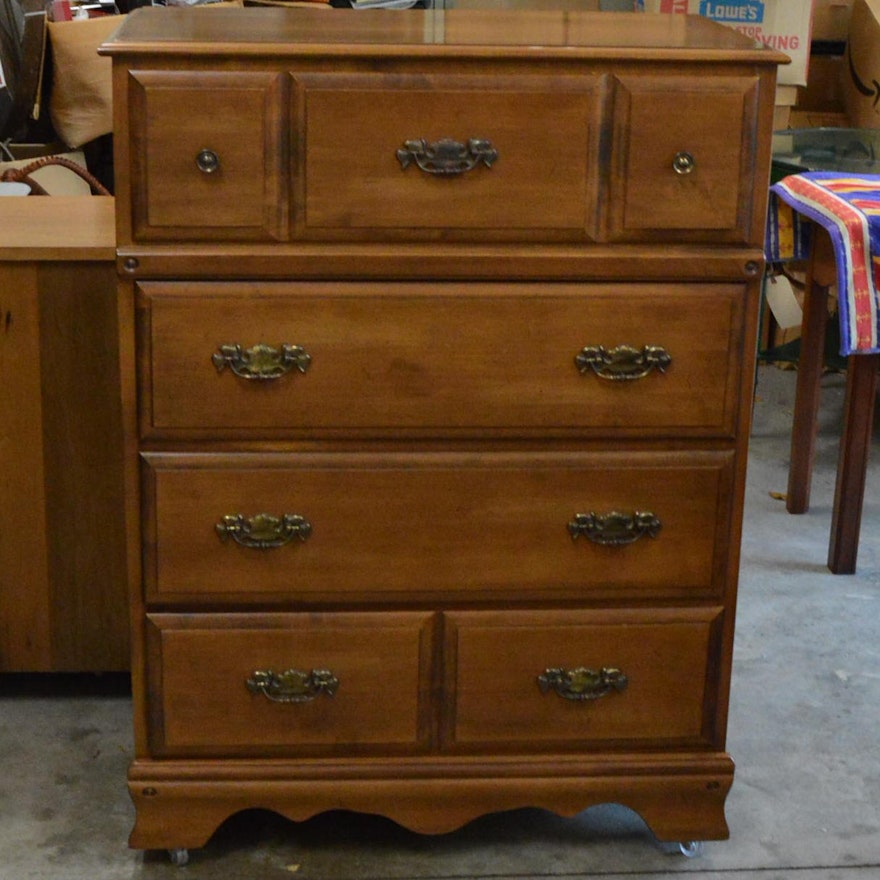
{"points": [[750, 12]]}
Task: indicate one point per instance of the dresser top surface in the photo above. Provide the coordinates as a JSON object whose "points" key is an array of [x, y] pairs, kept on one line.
{"points": [[486, 29]]}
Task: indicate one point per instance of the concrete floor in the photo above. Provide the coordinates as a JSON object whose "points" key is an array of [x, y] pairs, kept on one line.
{"points": [[804, 731]]}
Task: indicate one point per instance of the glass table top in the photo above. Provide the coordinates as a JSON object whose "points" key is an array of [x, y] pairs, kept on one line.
{"points": [[856, 150]]}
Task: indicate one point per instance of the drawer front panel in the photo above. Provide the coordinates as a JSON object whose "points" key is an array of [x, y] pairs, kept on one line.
{"points": [[236, 684], [428, 155], [207, 156], [409, 527], [539, 680], [683, 157], [443, 358]]}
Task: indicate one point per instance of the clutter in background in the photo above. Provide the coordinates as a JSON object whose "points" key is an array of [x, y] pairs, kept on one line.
{"points": [[861, 74], [55, 92], [22, 63], [81, 105], [24, 174], [780, 24], [55, 180], [55, 88], [70, 10]]}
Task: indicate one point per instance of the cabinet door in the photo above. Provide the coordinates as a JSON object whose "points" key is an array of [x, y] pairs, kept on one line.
{"points": [[682, 158], [206, 155]]}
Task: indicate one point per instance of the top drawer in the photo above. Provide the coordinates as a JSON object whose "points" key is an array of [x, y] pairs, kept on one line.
{"points": [[417, 156], [587, 154]]}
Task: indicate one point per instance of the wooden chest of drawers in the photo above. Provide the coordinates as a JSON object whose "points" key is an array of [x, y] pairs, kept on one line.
{"points": [[438, 334]]}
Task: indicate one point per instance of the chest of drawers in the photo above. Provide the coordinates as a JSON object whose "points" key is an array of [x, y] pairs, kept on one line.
{"points": [[437, 345]]}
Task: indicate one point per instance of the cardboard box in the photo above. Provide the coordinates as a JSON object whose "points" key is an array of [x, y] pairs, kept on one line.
{"points": [[824, 89], [816, 119], [861, 87], [782, 117], [831, 20], [781, 24]]}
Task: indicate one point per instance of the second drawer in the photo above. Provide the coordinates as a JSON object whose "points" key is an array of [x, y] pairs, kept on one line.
{"points": [[325, 527]]}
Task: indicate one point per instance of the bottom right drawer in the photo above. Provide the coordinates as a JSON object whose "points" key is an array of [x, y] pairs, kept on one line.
{"points": [[566, 679]]}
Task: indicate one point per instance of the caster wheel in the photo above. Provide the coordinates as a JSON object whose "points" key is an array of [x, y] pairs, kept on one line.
{"points": [[178, 857], [691, 849]]}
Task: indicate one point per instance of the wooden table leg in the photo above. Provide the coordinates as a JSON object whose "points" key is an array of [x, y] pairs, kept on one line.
{"points": [[820, 273], [855, 446]]}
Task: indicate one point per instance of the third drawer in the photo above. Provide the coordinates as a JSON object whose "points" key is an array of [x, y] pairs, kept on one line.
{"points": [[337, 527]]}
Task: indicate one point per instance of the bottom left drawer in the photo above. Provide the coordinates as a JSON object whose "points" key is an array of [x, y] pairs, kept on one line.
{"points": [[239, 684]]}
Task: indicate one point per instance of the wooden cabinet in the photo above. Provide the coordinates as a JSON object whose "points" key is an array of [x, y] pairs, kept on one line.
{"points": [[63, 600], [437, 351]]}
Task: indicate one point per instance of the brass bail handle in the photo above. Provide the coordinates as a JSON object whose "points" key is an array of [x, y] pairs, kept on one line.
{"points": [[292, 685], [614, 529], [582, 683], [447, 156], [263, 531], [261, 362], [623, 363]]}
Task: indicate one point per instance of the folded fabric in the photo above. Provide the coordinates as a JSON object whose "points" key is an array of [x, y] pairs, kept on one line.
{"points": [[848, 207]]}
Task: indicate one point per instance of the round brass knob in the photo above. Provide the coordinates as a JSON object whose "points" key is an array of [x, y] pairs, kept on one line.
{"points": [[208, 161], [683, 163]]}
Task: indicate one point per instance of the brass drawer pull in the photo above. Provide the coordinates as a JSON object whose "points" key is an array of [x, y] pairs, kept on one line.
{"points": [[582, 683], [292, 685], [263, 532], [623, 363], [683, 163], [447, 156], [614, 529], [261, 362], [208, 161]]}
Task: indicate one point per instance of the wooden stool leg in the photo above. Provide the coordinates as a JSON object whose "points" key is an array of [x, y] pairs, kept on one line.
{"points": [[855, 445], [812, 358]]}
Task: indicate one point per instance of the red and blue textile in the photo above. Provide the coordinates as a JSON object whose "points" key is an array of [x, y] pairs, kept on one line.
{"points": [[848, 206]]}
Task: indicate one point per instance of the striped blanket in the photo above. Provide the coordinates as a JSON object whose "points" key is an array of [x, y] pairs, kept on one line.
{"points": [[848, 206]]}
